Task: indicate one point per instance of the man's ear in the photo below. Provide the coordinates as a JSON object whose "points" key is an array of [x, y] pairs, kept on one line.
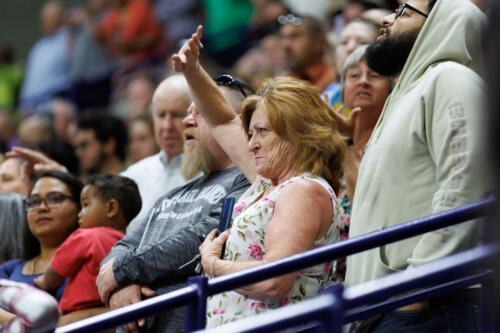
{"points": [[112, 208]]}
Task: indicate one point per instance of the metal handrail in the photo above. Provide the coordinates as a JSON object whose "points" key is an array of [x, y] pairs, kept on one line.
{"points": [[438, 271], [133, 312], [280, 267], [321, 311], [373, 292], [348, 247], [418, 296]]}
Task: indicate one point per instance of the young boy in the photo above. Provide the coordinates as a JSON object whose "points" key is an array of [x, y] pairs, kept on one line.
{"points": [[109, 203]]}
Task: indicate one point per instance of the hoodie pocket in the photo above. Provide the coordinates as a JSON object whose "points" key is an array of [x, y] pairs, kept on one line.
{"points": [[389, 266]]}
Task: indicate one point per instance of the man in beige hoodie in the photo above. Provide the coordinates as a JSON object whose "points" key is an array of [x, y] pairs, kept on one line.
{"points": [[424, 155]]}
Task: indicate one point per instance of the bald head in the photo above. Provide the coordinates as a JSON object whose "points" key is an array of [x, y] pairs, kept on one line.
{"points": [[173, 84], [169, 106]]}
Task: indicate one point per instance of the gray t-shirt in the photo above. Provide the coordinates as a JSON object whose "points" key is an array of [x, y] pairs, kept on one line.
{"points": [[152, 253]]}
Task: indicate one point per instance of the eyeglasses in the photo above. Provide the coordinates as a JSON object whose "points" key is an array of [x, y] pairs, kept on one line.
{"points": [[400, 10], [290, 19], [229, 81], [51, 200]]}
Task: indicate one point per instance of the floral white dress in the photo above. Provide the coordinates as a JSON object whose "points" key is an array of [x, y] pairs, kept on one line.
{"points": [[251, 215]]}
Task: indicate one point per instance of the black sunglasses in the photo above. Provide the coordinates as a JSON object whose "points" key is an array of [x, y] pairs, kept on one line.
{"points": [[229, 81], [400, 10]]}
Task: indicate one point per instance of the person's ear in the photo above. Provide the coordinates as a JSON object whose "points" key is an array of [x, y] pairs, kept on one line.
{"points": [[112, 208]]}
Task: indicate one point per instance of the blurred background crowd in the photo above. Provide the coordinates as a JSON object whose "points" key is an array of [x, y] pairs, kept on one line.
{"points": [[91, 73]]}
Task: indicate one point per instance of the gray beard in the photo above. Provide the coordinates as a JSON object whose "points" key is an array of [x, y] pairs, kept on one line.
{"points": [[197, 160]]}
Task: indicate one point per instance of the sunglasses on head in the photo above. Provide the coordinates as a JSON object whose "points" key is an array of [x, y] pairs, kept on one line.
{"points": [[229, 81], [289, 19]]}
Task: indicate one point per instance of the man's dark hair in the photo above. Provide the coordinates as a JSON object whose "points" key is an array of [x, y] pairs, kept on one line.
{"points": [[63, 153], [122, 189], [107, 127], [313, 26]]}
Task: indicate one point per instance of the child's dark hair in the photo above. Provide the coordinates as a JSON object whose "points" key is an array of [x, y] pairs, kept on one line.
{"points": [[122, 189]]}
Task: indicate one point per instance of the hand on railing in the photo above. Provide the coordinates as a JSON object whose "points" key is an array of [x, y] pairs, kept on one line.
{"points": [[106, 282], [130, 294]]}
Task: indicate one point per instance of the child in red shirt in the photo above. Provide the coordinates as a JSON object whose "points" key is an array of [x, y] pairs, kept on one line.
{"points": [[109, 203]]}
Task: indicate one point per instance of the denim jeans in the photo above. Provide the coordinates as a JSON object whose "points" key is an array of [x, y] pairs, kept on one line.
{"points": [[454, 313]]}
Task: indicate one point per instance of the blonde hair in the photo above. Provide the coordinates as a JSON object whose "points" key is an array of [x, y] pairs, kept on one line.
{"points": [[310, 141]]}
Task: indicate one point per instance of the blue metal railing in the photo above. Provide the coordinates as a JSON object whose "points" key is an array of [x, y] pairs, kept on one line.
{"points": [[199, 289], [322, 313], [307, 312]]}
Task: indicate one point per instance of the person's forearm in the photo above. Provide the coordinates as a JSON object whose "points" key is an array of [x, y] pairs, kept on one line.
{"points": [[132, 239], [52, 279], [164, 259], [81, 314], [5, 316], [271, 288], [214, 107]]}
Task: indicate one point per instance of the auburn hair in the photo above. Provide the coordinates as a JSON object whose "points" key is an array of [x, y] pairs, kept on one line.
{"points": [[310, 141]]}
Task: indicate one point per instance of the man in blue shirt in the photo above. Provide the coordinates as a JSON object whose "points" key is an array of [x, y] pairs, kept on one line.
{"points": [[47, 70]]}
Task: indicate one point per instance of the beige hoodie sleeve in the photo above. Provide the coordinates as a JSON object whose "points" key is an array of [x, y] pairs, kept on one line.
{"points": [[453, 130]]}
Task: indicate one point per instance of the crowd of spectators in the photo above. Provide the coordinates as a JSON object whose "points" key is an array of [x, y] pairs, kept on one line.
{"points": [[164, 108]]}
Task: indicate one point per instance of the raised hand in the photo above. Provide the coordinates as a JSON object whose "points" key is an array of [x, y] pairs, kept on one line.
{"points": [[36, 162], [187, 59]]}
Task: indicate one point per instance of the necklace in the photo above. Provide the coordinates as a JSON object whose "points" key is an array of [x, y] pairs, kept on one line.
{"points": [[33, 266]]}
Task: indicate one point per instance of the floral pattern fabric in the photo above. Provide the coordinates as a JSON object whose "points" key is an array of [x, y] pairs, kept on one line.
{"points": [[251, 215]]}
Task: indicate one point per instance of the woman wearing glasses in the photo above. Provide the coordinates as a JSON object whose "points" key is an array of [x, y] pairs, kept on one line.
{"points": [[52, 207], [286, 146]]}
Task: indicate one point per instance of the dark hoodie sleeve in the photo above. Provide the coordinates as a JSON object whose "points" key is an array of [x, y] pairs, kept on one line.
{"points": [[161, 261], [131, 240]]}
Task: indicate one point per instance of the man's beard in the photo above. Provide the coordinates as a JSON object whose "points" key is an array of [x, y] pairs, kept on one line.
{"points": [[388, 55], [196, 160]]}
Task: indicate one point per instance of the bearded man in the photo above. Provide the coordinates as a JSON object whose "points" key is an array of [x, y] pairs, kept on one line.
{"points": [[425, 152], [155, 252]]}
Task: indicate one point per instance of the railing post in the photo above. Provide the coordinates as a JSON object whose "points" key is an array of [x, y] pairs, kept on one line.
{"points": [[333, 322], [488, 293], [488, 290], [197, 310]]}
